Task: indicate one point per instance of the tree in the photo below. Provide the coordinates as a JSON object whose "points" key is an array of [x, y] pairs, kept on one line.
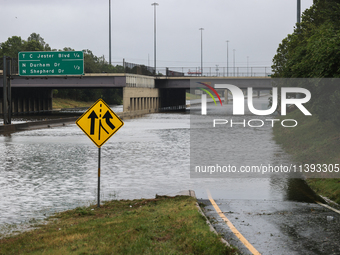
{"points": [[11, 47], [92, 64], [313, 51], [39, 41]]}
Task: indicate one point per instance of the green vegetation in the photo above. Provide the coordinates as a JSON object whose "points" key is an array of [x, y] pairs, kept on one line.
{"points": [[313, 142], [110, 96], [313, 51], [60, 103], [92, 64], [147, 226], [326, 187], [192, 96], [35, 42]]}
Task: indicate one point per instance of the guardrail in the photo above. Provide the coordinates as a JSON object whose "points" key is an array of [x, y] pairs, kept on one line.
{"points": [[254, 71]]}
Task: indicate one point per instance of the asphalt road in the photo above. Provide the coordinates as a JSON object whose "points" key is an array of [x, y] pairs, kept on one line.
{"points": [[276, 227]]}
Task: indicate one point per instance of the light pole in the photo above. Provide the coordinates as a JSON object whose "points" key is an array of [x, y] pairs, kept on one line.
{"points": [[298, 11], [155, 4], [247, 65], [201, 50], [234, 60], [110, 32], [227, 59]]}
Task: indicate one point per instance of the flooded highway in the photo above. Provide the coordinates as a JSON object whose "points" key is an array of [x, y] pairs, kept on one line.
{"points": [[49, 170]]}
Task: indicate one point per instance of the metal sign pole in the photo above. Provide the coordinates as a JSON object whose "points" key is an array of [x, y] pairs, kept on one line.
{"points": [[7, 97], [9, 90], [4, 93], [99, 177]]}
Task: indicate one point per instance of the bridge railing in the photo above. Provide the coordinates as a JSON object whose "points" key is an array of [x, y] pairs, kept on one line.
{"points": [[254, 71]]}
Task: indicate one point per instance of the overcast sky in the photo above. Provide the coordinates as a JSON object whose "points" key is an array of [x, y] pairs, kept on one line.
{"points": [[253, 28]]}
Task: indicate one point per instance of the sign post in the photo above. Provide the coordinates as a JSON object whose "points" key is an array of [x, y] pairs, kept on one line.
{"points": [[99, 123], [98, 204]]}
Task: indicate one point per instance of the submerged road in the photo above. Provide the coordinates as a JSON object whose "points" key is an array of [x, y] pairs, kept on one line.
{"points": [[276, 227], [50, 170]]}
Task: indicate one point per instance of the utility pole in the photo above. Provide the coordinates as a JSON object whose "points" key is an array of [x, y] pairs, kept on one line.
{"points": [[234, 60], [110, 32], [155, 4], [227, 59], [201, 50], [298, 11]]}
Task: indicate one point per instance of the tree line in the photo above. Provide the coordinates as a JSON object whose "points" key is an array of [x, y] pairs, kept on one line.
{"points": [[313, 51], [92, 64]]}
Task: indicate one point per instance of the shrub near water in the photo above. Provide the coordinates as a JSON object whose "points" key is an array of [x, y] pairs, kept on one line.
{"points": [[313, 142], [148, 226]]}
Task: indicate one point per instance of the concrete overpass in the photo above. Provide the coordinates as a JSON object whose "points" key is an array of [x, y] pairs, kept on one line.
{"points": [[140, 93]]}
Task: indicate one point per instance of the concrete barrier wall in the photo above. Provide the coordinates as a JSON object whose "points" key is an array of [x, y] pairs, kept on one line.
{"points": [[140, 81]]}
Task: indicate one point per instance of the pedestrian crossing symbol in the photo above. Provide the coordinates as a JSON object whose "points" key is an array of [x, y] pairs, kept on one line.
{"points": [[99, 123]]}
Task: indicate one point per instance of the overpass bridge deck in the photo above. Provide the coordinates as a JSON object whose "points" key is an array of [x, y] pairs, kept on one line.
{"points": [[121, 80]]}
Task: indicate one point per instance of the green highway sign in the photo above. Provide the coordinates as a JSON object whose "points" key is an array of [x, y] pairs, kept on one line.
{"points": [[41, 63]]}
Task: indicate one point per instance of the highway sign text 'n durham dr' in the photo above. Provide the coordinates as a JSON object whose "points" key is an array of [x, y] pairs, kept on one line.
{"points": [[99, 123], [41, 63]]}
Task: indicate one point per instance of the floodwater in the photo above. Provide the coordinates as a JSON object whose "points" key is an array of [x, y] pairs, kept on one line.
{"points": [[49, 170]]}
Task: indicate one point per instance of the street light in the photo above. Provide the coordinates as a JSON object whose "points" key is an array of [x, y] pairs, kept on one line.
{"points": [[227, 59], [234, 60], [155, 4], [110, 32], [298, 11], [247, 65], [201, 50]]}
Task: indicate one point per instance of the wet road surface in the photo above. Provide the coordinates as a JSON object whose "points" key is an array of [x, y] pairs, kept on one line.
{"points": [[277, 227]]}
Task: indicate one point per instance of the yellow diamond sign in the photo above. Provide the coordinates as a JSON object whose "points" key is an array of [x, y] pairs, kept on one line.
{"points": [[99, 123]]}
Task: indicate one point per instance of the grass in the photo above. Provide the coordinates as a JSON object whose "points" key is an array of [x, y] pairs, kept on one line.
{"points": [[192, 96], [313, 142], [147, 226], [61, 103]]}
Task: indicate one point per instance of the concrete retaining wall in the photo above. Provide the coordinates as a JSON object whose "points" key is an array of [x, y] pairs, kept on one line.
{"points": [[141, 99]]}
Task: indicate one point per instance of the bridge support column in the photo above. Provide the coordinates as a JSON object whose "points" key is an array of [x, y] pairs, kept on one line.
{"points": [[140, 99], [226, 94]]}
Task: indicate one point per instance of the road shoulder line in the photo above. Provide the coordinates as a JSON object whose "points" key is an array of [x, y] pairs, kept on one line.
{"points": [[232, 227]]}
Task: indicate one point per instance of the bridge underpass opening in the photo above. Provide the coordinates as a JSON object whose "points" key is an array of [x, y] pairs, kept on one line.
{"points": [[29, 100], [173, 99]]}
